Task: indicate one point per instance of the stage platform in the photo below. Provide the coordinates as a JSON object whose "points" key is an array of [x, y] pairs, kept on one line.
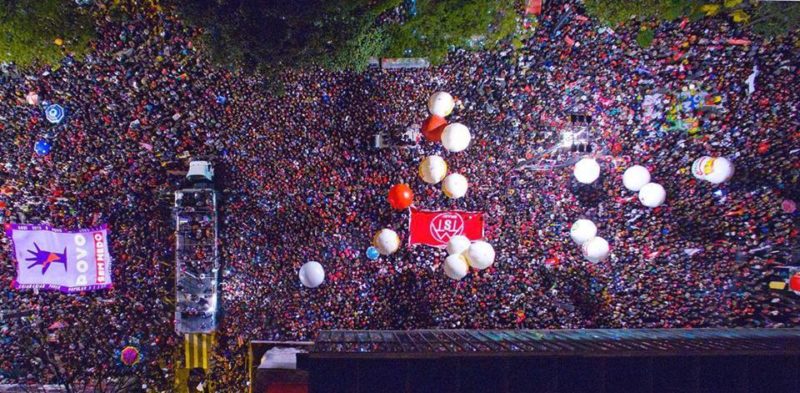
{"points": [[634, 360]]}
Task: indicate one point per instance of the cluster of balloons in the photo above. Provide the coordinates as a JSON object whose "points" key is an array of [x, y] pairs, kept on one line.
{"points": [[637, 179], [587, 170], [454, 137], [433, 169], [440, 105], [463, 254], [714, 170], [584, 233]]}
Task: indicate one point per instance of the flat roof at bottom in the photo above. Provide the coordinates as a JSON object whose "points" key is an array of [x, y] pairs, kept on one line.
{"points": [[579, 342]]}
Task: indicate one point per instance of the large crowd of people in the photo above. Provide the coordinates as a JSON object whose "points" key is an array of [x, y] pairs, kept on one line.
{"points": [[301, 181]]}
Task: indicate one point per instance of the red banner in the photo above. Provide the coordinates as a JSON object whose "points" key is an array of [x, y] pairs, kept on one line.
{"points": [[435, 228]]}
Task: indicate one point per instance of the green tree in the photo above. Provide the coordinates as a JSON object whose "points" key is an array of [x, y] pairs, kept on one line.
{"points": [[342, 34], [29, 30], [614, 12], [645, 37], [444, 24], [271, 35], [357, 51], [772, 18], [767, 18]]}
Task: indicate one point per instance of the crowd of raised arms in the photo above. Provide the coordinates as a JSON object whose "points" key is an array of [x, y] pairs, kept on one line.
{"points": [[300, 182]]}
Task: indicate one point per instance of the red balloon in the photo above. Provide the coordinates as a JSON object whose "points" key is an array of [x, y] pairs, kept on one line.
{"points": [[400, 196], [433, 127], [794, 282]]}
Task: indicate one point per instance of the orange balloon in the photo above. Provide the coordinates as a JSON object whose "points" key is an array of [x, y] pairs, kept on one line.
{"points": [[433, 127], [400, 196]]}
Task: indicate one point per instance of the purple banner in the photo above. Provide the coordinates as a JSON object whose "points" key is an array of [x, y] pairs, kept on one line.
{"points": [[58, 259]]}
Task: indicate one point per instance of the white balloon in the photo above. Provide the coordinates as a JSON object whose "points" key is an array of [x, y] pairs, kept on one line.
{"points": [[386, 241], [635, 177], [312, 274], [652, 195], [582, 231], [457, 245], [441, 104], [722, 170], [596, 250], [432, 169], [480, 255], [456, 137], [587, 170], [455, 267], [455, 185]]}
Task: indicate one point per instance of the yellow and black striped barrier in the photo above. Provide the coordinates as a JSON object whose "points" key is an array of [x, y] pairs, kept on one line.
{"points": [[197, 349]]}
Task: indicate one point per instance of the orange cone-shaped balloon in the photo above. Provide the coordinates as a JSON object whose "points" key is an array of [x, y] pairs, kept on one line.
{"points": [[433, 127]]}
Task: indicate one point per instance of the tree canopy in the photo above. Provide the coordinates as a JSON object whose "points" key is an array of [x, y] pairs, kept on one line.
{"points": [[444, 24], [614, 12], [272, 34], [772, 18], [275, 34], [765, 18], [343, 34], [40, 31]]}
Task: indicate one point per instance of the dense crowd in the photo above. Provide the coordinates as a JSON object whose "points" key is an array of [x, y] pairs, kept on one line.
{"points": [[300, 181]]}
